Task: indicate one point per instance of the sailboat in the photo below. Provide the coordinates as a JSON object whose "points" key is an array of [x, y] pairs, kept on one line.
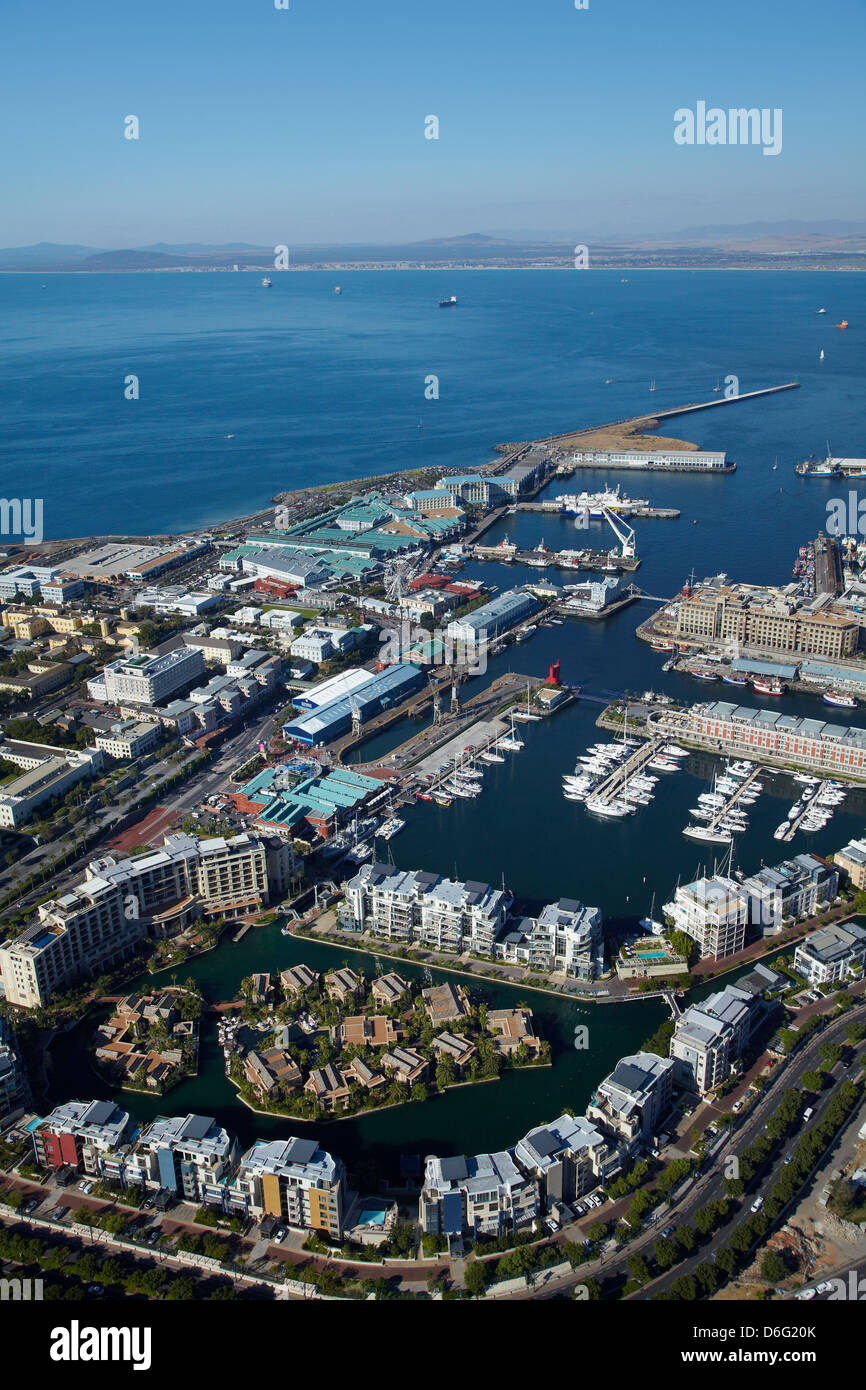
{"points": [[513, 742], [776, 464], [718, 385], [650, 924], [821, 355], [653, 384]]}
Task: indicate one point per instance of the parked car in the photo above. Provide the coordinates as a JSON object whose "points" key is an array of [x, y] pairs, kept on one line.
{"points": [[808, 1113], [806, 1294], [279, 1235], [757, 1204], [95, 1290], [30, 1205], [737, 1105], [153, 1236], [668, 1231], [789, 1158], [825, 1286]]}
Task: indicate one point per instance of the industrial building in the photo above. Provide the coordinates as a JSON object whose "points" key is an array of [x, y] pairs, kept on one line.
{"points": [[327, 722]]}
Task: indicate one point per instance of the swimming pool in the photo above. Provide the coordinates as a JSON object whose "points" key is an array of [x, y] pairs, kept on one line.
{"points": [[372, 1216]]}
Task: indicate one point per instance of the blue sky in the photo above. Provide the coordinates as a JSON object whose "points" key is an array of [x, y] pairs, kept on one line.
{"points": [[307, 124]]}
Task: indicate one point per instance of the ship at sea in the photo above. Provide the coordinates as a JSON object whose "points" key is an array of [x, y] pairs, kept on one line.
{"points": [[831, 467], [448, 303], [266, 283]]}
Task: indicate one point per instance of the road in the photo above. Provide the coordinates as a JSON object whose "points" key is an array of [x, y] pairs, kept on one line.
{"points": [[710, 1186]]}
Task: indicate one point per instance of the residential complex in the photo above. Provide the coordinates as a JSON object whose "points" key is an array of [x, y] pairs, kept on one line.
{"points": [[835, 953], [99, 923], [709, 1036], [417, 906], [714, 912], [631, 1103]]}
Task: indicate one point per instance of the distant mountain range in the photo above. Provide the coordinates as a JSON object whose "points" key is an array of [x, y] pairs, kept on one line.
{"points": [[831, 244]]}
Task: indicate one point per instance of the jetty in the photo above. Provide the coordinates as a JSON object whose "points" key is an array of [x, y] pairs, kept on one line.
{"points": [[657, 416]]}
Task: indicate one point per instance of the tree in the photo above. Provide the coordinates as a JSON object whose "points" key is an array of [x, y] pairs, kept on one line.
{"points": [[812, 1080], [773, 1267], [475, 1277], [665, 1253]]}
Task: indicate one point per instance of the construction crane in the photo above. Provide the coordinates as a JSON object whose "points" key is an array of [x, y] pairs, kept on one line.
{"points": [[356, 716], [626, 538]]}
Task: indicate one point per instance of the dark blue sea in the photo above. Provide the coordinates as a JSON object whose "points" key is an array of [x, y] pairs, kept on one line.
{"points": [[319, 387]]}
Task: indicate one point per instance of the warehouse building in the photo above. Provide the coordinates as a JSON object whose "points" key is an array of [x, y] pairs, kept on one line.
{"points": [[492, 618], [387, 688]]}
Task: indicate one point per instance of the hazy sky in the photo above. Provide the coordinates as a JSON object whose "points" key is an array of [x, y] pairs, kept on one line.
{"points": [[307, 124]]}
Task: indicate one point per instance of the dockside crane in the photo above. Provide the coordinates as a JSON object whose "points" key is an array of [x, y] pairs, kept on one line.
{"points": [[625, 536]]}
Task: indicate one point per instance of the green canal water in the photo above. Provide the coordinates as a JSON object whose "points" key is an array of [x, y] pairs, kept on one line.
{"points": [[468, 1119]]}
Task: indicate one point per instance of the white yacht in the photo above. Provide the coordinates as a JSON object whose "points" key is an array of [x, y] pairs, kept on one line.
{"points": [[703, 832]]}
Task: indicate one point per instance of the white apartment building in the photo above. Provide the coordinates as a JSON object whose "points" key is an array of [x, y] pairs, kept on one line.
{"points": [[82, 1134], [835, 953], [185, 1154], [148, 678], [293, 1180], [634, 1099], [417, 906], [796, 888], [568, 1157], [129, 739], [709, 1036], [566, 937], [714, 912], [101, 922], [486, 1195]]}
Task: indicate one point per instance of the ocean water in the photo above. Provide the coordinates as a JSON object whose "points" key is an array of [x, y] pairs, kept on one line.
{"points": [[320, 387]]}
